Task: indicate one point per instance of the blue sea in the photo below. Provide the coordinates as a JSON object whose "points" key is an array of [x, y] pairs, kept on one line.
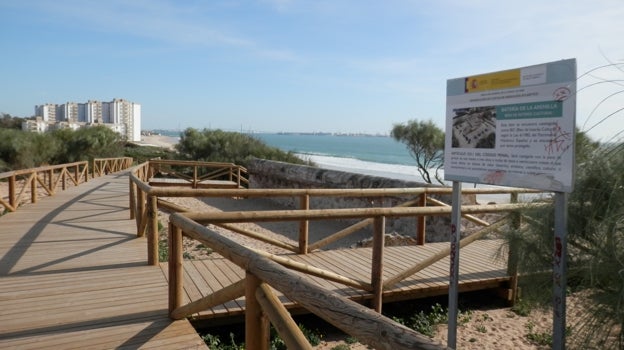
{"points": [[371, 155]]}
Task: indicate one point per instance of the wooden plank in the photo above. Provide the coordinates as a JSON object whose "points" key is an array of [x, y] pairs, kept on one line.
{"points": [[213, 284], [480, 271], [331, 263]]}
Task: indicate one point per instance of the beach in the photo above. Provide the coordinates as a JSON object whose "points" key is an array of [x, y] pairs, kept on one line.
{"points": [[167, 142]]}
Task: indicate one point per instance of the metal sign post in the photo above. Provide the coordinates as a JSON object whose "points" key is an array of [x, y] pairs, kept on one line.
{"points": [[559, 270], [454, 271]]}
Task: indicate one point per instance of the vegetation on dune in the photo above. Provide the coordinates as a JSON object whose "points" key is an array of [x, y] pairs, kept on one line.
{"points": [[20, 150], [88, 143], [233, 147], [595, 247], [141, 154], [7, 121]]}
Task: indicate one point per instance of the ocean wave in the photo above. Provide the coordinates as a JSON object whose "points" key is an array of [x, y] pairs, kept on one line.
{"points": [[399, 172], [394, 171]]}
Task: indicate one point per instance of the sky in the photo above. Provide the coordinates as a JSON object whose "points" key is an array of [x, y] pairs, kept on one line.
{"points": [[300, 66]]}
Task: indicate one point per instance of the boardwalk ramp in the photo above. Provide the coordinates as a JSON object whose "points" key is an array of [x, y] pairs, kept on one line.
{"points": [[73, 275]]}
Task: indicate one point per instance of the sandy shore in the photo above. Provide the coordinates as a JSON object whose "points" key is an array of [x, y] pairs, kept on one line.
{"points": [[157, 141]]}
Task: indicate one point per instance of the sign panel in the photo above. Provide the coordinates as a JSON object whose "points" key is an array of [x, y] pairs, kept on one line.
{"points": [[513, 128]]}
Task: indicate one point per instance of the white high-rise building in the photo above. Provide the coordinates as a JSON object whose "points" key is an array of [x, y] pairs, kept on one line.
{"points": [[67, 112], [47, 112], [120, 115]]}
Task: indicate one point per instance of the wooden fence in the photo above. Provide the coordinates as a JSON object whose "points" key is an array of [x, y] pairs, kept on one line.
{"points": [[103, 166], [266, 271], [146, 199], [263, 275], [195, 174], [28, 185]]}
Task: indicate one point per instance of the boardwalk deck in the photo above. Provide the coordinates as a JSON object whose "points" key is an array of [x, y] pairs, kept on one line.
{"points": [[480, 269], [74, 275]]}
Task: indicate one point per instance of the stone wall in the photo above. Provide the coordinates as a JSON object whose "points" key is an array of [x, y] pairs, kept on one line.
{"points": [[271, 174]]}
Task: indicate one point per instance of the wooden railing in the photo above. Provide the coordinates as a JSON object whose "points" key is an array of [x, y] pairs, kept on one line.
{"points": [[103, 166], [263, 276], [197, 174], [28, 185], [145, 201], [266, 271]]}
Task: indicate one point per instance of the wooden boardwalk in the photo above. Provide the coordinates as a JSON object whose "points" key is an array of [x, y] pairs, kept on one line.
{"points": [[73, 275], [480, 269]]}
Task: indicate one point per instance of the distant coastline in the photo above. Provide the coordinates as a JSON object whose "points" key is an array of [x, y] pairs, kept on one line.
{"points": [[329, 134], [306, 133]]}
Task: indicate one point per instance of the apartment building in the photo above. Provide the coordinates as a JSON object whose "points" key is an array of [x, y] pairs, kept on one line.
{"points": [[120, 115]]}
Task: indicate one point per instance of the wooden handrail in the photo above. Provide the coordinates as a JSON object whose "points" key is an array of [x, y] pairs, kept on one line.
{"points": [[367, 326], [47, 180], [141, 173], [347, 213], [215, 171]]}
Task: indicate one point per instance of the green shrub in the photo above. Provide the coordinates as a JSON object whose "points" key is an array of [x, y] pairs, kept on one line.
{"points": [[232, 147]]}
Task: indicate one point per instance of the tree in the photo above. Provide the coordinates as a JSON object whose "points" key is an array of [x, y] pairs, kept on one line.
{"points": [[425, 142], [20, 149], [88, 143], [9, 122]]}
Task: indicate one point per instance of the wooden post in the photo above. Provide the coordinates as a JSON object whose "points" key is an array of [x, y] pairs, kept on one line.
{"points": [[284, 324], [141, 213], [77, 173], [33, 188], [51, 181], [176, 275], [152, 230], [132, 191], [256, 325], [195, 176], [64, 179], [304, 203], [377, 268], [420, 221], [12, 199]]}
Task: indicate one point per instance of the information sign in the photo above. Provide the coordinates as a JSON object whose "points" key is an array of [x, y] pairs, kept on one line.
{"points": [[513, 128]]}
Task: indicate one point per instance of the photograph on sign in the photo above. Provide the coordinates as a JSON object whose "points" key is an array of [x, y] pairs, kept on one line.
{"points": [[513, 128]]}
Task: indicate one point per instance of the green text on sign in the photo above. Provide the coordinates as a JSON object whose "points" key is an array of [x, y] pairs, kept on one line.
{"points": [[533, 110]]}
